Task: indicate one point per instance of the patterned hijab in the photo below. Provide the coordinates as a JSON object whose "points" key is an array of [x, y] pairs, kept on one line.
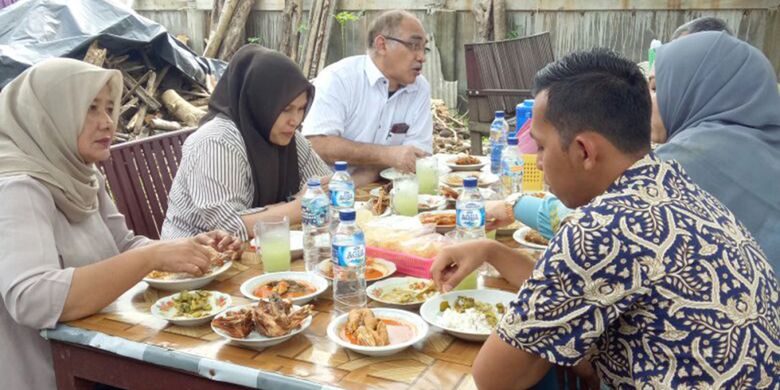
{"points": [[718, 99], [257, 85], [42, 113]]}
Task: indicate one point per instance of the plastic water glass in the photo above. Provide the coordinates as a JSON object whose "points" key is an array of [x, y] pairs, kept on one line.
{"points": [[404, 195], [470, 281], [274, 243], [428, 175]]}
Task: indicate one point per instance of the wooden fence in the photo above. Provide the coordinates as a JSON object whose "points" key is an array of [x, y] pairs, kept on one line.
{"points": [[626, 26]]}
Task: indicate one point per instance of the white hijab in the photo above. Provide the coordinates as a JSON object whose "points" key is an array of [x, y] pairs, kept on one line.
{"points": [[42, 113]]}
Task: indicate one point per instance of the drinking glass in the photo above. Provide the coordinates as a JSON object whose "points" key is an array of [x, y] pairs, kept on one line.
{"points": [[470, 281], [428, 175], [273, 236], [403, 197]]}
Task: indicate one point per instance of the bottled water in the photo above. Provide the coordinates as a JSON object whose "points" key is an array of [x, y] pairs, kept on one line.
{"points": [[314, 218], [349, 264], [342, 192], [512, 165], [470, 211], [498, 130]]}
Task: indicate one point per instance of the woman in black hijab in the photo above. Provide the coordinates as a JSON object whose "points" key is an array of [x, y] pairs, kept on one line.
{"points": [[247, 161]]}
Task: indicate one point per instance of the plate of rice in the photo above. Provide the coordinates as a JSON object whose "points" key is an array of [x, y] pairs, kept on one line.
{"points": [[469, 314]]}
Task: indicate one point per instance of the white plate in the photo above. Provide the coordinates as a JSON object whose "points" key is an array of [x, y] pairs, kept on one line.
{"points": [[296, 243], [390, 174], [485, 179], [367, 205], [421, 330], [161, 309], [471, 167], [427, 202], [388, 284], [255, 340], [430, 309], [388, 265], [519, 236], [443, 228], [317, 281], [189, 283]]}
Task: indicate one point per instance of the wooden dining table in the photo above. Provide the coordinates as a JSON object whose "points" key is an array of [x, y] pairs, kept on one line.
{"points": [[126, 347]]}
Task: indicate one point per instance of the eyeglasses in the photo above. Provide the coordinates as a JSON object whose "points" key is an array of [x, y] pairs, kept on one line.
{"points": [[413, 46]]}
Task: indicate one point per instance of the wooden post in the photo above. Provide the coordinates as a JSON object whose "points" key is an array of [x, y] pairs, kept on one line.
{"points": [[234, 37], [482, 10], [291, 19], [327, 26], [314, 25], [215, 40], [445, 25], [499, 20], [195, 26]]}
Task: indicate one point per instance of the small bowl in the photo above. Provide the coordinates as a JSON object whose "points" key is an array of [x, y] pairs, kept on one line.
{"points": [[388, 266], [321, 284], [421, 330], [164, 310], [519, 236], [427, 202], [188, 283], [430, 309], [373, 290], [255, 340]]}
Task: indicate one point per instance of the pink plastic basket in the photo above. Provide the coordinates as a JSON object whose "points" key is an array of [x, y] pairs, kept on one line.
{"points": [[406, 264], [525, 143]]}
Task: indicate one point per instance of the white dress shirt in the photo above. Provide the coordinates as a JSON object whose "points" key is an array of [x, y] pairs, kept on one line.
{"points": [[352, 101]]}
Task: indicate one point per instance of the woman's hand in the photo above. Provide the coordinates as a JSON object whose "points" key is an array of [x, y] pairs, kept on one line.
{"points": [[181, 255], [454, 263], [497, 215], [221, 241]]}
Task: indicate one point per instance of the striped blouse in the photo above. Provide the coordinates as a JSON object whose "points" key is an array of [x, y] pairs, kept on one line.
{"points": [[213, 187]]}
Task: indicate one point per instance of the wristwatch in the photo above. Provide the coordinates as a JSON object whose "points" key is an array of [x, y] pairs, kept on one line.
{"points": [[510, 202]]}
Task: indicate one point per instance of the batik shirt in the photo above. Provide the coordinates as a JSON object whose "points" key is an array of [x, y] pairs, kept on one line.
{"points": [[658, 285]]}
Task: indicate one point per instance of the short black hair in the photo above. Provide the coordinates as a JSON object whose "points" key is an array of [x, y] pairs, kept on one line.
{"points": [[704, 23], [601, 91]]}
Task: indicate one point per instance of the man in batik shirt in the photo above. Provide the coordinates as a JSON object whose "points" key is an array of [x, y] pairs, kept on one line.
{"points": [[650, 279]]}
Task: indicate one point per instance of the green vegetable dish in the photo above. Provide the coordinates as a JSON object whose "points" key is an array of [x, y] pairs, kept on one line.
{"points": [[491, 312], [193, 304]]}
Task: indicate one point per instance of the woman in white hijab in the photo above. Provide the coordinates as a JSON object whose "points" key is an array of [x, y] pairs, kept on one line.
{"points": [[716, 111], [65, 250]]}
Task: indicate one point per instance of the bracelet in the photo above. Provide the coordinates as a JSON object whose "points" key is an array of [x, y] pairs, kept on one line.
{"points": [[511, 202]]}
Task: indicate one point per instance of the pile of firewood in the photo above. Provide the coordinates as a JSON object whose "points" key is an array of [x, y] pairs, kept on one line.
{"points": [[155, 98], [450, 133]]}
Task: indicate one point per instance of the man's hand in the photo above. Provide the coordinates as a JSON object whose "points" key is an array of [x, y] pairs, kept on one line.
{"points": [[404, 157], [496, 215], [454, 263]]}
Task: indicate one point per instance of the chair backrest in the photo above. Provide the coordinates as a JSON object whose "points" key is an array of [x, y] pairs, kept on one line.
{"points": [[500, 74], [139, 175]]}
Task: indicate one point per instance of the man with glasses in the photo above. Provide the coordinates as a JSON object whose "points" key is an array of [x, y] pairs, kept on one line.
{"points": [[373, 110]]}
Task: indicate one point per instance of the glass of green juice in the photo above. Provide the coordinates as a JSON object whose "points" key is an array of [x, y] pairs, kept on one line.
{"points": [[274, 238], [470, 281], [403, 197], [427, 169]]}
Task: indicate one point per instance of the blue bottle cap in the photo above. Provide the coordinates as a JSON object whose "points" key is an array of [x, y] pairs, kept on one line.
{"points": [[347, 215], [528, 102], [499, 114], [470, 182], [341, 166], [313, 182], [511, 141]]}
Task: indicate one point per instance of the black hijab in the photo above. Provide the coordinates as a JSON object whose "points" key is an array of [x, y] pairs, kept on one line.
{"points": [[257, 85]]}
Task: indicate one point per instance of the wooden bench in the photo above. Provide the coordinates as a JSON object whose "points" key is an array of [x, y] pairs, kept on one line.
{"points": [[139, 175], [499, 75]]}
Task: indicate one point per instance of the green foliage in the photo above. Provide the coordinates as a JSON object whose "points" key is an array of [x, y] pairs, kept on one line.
{"points": [[513, 34], [303, 27], [345, 17], [255, 40]]}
